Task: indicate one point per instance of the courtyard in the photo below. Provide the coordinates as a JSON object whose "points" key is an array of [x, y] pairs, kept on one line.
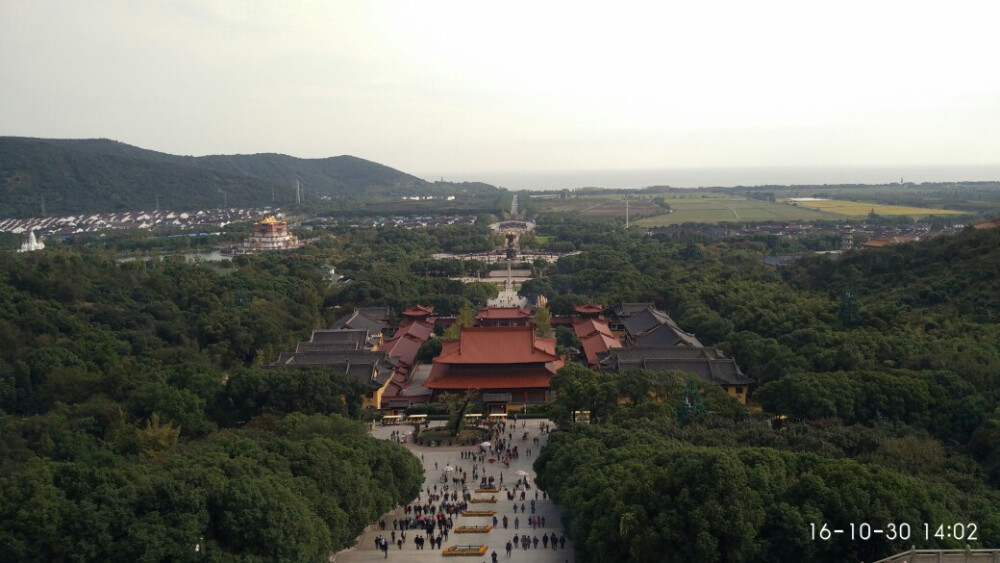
{"points": [[436, 461]]}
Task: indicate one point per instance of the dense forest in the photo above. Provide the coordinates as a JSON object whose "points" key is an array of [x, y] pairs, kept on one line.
{"points": [[137, 423], [74, 176]]}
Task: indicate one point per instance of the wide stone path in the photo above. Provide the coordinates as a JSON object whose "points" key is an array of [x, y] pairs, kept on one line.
{"points": [[435, 460]]}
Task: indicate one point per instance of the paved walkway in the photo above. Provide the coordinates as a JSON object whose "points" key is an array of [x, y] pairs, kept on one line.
{"points": [[435, 460]]}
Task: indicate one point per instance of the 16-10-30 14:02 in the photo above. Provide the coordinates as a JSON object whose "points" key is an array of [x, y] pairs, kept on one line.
{"points": [[895, 531]]}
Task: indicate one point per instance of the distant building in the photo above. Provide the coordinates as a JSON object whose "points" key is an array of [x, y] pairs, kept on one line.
{"points": [[889, 241], [595, 338], [344, 352], [268, 235], [406, 343], [373, 319], [657, 343], [503, 316], [707, 363], [588, 309], [782, 260], [653, 327]]}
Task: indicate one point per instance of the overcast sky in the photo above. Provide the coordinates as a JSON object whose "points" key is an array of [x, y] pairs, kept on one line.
{"points": [[435, 87]]}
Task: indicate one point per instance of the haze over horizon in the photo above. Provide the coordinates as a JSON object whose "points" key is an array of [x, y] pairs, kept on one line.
{"points": [[505, 92]]}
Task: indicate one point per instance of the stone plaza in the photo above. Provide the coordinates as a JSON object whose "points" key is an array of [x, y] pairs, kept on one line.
{"points": [[435, 460]]}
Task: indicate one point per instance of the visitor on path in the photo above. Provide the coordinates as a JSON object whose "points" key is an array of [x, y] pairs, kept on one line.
{"points": [[508, 549]]}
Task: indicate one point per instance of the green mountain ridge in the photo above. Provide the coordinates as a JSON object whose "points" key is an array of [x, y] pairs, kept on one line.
{"points": [[71, 176]]}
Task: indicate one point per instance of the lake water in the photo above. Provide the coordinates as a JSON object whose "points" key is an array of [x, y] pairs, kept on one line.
{"points": [[728, 177], [211, 256]]}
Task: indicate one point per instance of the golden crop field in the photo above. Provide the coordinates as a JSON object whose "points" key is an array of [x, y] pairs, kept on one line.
{"points": [[724, 209], [860, 208]]}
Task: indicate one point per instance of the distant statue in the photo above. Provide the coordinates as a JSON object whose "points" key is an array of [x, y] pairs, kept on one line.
{"points": [[32, 244]]}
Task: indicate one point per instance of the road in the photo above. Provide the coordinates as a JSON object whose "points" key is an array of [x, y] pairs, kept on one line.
{"points": [[435, 460]]}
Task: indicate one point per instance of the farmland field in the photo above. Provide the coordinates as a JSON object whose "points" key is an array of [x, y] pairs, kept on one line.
{"points": [[600, 206], [860, 208], [729, 209]]}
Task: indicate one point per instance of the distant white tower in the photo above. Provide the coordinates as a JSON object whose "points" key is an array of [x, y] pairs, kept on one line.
{"points": [[32, 244]]}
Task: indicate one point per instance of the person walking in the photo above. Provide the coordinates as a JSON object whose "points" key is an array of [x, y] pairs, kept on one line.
{"points": [[508, 549]]}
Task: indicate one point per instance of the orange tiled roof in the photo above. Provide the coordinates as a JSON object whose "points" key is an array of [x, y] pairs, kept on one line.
{"points": [[595, 337], [503, 313], [418, 311], [451, 377], [588, 308], [416, 329], [498, 345], [586, 327]]}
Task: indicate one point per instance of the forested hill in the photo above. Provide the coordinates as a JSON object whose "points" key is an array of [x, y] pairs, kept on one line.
{"points": [[72, 176], [953, 275], [133, 426]]}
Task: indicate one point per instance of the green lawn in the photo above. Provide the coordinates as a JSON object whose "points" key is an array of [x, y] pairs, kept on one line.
{"points": [[727, 209]]}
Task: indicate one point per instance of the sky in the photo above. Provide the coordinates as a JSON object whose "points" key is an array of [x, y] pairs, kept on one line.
{"points": [[472, 90]]}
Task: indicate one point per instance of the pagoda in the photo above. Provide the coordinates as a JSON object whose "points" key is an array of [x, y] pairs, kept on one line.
{"points": [[268, 234]]}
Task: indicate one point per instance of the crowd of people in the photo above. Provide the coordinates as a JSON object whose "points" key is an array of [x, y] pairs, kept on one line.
{"points": [[431, 517]]}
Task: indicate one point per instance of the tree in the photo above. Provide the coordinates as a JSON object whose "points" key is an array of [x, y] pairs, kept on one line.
{"points": [[543, 321], [155, 440], [466, 318], [429, 350], [457, 407]]}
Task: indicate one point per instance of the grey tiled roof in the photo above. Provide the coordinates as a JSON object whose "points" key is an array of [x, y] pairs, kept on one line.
{"points": [[377, 313], [334, 340], [652, 327], [626, 310], [359, 321], [707, 363], [373, 367]]}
